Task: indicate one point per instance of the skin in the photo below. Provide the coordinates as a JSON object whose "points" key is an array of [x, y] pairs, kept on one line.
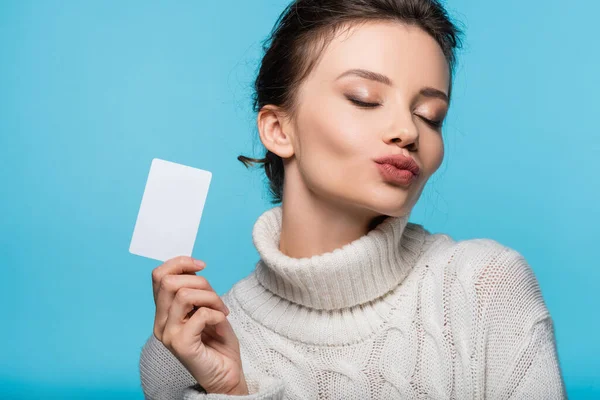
{"points": [[333, 192]]}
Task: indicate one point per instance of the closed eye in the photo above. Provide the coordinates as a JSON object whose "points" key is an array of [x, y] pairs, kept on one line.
{"points": [[435, 124], [362, 104]]}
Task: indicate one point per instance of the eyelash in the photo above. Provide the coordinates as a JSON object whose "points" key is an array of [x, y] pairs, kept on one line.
{"points": [[362, 104]]}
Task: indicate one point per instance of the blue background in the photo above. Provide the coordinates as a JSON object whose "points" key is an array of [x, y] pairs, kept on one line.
{"points": [[91, 92]]}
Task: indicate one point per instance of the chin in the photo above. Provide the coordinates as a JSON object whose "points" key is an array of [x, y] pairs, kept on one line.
{"points": [[393, 208], [397, 212], [390, 202]]}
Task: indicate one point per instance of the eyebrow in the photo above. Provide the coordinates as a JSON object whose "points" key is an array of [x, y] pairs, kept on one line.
{"points": [[374, 76]]}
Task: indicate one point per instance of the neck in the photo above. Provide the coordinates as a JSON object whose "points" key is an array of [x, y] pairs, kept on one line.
{"points": [[310, 228]]}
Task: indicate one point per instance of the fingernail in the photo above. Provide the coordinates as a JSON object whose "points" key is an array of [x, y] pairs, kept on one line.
{"points": [[199, 263]]}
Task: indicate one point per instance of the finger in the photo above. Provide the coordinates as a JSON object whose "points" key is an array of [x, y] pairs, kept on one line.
{"points": [[170, 285], [223, 328], [184, 302], [194, 327], [175, 266], [187, 338]]}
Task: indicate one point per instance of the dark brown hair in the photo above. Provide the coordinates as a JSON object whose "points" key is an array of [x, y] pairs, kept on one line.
{"points": [[303, 30]]}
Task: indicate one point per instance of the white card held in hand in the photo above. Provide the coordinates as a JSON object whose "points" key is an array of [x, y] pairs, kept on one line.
{"points": [[170, 213]]}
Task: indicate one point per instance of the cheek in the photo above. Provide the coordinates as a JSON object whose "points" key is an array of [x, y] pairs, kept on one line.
{"points": [[432, 152], [333, 143], [330, 132]]}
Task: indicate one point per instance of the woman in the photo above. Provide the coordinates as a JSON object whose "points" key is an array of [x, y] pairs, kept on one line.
{"points": [[349, 299]]}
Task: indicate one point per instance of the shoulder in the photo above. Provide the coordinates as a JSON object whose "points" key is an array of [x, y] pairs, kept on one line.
{"points": [[490, 260], [503, 281], [497, 277], [471, 257], [479, 260], [494, 264]]}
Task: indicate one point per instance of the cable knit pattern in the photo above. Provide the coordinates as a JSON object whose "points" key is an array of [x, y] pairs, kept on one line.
{"points": [[399, 313]]}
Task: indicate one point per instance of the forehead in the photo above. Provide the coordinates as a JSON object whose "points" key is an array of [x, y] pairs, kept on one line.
{"points": [[405, 53]]}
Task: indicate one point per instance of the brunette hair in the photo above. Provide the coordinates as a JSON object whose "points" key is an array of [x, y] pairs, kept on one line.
{"points": [[301, 33]]}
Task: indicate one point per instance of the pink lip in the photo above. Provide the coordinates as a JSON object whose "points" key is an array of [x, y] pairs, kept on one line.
{"points": [[401, 162], [398, 169], [399, 176]]}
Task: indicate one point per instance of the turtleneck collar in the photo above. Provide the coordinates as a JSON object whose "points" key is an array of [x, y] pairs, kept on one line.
{"points": [[358, 272]]}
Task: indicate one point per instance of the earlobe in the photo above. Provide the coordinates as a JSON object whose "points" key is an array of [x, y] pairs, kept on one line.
{"points": [[272, 133]]}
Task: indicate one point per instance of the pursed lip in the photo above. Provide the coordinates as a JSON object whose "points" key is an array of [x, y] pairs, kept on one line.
{"points": [[401, 162]]}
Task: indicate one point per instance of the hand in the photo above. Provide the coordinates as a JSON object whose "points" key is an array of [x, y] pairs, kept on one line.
{"points": [[191, 321]]}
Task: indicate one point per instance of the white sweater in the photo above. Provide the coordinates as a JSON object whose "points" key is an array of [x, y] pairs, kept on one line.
{"points": [[399, 313]]}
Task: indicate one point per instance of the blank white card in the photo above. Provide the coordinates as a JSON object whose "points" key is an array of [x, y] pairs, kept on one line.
{"points": [[170, 212]]}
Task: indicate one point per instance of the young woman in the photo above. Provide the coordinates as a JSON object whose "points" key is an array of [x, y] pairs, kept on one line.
{"points": [[349, 300]]}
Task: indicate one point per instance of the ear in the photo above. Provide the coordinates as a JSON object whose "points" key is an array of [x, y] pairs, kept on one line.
{"points": [[273, 129]]}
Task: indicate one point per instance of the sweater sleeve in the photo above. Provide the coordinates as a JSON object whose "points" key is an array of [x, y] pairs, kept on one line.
{"points": [[516, 353], [260, 387], [163, 377], [540, 373]]}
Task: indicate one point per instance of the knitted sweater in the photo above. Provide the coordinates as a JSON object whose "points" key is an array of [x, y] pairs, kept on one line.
{"points": [[399, 313]]}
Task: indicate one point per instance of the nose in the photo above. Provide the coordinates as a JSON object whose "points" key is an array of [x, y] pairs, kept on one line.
{"points": [[406, 137]]}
